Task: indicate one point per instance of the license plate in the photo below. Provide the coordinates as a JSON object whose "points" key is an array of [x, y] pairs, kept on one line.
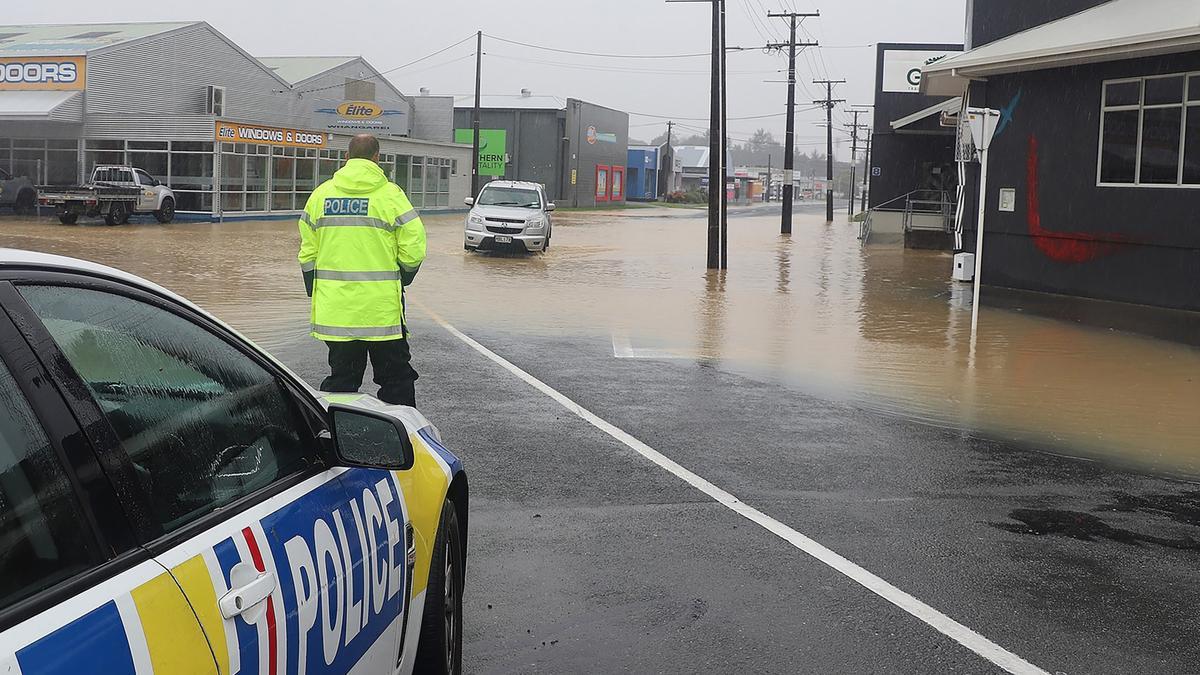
{"points": [[501, 239]]}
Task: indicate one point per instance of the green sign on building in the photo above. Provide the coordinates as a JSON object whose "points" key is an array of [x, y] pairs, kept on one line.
{"points": [[493, 144]]}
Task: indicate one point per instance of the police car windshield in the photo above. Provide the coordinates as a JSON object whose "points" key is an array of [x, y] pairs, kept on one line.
{"points": [[502, 196]]}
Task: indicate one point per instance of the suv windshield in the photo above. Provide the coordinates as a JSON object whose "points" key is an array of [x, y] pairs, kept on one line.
{"points": [[502, 196]]}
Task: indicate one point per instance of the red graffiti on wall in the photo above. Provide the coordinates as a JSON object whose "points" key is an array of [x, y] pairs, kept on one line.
{"points": [[1066, 247]]}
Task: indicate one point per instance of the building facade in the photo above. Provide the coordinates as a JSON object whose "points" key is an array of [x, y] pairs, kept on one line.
{"points": [[1094, 172], [578, 150], [643, 166], [910, 149], [233, 135]]}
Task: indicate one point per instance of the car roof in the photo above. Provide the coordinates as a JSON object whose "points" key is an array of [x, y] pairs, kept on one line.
{"points": [[12, 258], [19, 258], [514, 184]]}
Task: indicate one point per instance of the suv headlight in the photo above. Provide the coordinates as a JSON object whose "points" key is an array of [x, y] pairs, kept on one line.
{"points": [[535, 222], [474, 222]]}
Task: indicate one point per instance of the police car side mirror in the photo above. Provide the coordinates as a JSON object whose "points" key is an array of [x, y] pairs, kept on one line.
{"points": [[370, 439], [550, 207], [469, 201]]}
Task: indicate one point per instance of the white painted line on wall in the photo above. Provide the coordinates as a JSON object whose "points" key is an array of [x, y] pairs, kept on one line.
{"points": [[940, 622]]}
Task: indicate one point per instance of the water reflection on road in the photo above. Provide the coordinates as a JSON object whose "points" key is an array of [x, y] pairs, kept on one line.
{"points": [[880, 327]]}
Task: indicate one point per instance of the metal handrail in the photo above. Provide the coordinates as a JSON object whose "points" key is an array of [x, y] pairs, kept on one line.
{"points": [[946, 209]]}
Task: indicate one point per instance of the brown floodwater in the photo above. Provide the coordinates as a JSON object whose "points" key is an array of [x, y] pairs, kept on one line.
{"points": [[880, 327]]}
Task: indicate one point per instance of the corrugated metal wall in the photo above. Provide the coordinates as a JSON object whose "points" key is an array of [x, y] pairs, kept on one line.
{"points": [[534, 143], [580, 116], [433, 118], [145, 128], [167, 75]]}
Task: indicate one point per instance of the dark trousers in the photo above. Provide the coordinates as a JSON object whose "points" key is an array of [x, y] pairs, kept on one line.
{"points": [[390, 359]]}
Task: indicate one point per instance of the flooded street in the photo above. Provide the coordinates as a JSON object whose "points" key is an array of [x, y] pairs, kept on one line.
{"points": [[880, 327]]}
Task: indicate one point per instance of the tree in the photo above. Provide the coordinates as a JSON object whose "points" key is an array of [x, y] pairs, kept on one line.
{"points": [[761, 141]]}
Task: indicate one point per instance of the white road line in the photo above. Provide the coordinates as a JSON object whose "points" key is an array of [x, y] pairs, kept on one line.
{"points": [[942, 623], [623, 349]]}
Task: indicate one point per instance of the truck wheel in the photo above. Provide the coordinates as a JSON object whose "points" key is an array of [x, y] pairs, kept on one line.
{"points": [[68, 218], [167, 213], [26, 203], [118, 214]]}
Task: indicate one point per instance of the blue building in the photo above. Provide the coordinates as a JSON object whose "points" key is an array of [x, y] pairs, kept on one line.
{"points": [[643, 166]]}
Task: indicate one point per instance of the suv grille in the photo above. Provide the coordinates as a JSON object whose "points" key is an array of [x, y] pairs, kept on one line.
{"points": [[499, 229], [505, 220]]}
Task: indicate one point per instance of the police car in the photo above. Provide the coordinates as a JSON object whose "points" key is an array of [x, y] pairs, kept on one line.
{"points": [[173, 500]]}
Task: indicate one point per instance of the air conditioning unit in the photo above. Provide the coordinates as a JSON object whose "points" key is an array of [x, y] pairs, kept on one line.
{"points": [[215, 101]]}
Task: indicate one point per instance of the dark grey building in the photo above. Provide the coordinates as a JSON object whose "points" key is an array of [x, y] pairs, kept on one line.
{"points": [[910, 149], [1097, 154], [577, 149]]}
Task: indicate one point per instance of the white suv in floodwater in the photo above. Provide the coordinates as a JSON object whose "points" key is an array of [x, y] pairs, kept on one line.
{"points": [[509, 215]]}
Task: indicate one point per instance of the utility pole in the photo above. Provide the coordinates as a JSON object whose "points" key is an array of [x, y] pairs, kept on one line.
{"points": [[475, 115], [716, 159], [785, 225], [716, 179], [829, 103], [854, 155], [866, 171], [724, 148], [668, 171], [768, 190]]}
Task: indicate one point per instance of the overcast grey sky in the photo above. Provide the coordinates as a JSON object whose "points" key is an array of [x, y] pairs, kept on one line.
{"points": [[391, 33]]}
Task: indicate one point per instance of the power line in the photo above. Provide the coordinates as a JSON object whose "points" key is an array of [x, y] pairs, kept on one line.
{"points": [[392, 70], [597, 54], [618, 69], [435, 66], [701, 119]]}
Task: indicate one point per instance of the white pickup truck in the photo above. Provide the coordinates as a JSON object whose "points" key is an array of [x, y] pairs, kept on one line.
{"points": [[116, 192]]}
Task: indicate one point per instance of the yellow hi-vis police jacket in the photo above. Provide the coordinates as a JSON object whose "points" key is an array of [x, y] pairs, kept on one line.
{"points": [[361, 236]]}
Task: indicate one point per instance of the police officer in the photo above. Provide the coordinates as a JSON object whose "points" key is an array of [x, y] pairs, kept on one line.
{"points": [[361, 243]]}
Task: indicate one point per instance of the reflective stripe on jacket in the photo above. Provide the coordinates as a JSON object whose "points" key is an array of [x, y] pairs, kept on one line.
{"points": [[358, 233]]}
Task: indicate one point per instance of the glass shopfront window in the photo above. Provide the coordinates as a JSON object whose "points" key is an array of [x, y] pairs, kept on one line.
{"points": [[443, 198], [257, 181], [253, 177], [306, 177], [426, 180], [403, 171], [49, 162], [416, 191]]}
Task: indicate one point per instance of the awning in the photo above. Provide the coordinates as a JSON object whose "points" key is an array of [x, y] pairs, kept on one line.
{"points": [[1117, 30], [948, 106], [51, 106]]}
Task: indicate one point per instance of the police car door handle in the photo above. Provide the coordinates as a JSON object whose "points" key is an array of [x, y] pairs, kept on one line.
{"points": [[247, 598]]}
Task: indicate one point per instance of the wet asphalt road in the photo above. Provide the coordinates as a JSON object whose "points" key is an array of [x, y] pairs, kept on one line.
{"points": [[586, 557]]}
